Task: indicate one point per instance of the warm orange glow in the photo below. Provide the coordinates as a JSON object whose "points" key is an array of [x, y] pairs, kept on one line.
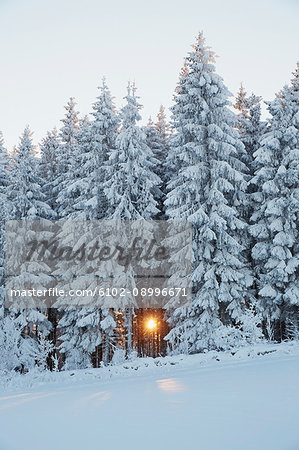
{"points": [[151, 324]]}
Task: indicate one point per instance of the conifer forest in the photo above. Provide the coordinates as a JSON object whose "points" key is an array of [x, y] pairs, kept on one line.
{"points": [[228, 167], [216, 164]]}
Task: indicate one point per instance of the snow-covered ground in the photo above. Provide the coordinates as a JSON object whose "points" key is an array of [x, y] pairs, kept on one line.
{"points": [[215, 401]]}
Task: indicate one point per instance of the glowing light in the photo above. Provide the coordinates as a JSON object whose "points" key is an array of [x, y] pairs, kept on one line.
{"points": [[151, 324]]}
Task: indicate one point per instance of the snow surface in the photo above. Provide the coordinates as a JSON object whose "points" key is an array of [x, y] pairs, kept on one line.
{"points": [[213, 401]]}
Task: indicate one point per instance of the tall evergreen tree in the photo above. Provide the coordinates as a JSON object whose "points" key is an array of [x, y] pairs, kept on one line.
{"points": [[251, 130], [48, 166], [47, 169], [275, 219], [155, 143], [207, 190], [250, 125], [13, 351], [157, 135], [160, 142], [28, 203], [152, 136], [130, 169], [95, 140], [26, 192], [131, 184], [66, 156], [66, 190], [5, 210]]}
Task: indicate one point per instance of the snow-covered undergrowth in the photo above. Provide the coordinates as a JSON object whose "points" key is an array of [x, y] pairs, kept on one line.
{"points": [[148, 366]]}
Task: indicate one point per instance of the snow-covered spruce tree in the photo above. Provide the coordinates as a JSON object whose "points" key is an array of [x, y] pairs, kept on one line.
{"points": [[66, 189], [48, 166], [207, 191], [251, 130], [251, 127], [4, 207], [74, 344], [103, 134], [47, 169], [157, 135], [11, 341], [28, 203], [161, 148], [130, 168], [95, 140], [275, 219], [78, 326], [154, 142], [163, 127], [66, 155], [132, 183], [26, 192], [152, 137]]}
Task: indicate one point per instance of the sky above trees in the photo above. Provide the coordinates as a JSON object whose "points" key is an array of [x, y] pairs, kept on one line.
{"points": [[53, 50]]}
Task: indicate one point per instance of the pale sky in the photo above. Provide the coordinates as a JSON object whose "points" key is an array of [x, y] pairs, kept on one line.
{"points": [[51, 50]]}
